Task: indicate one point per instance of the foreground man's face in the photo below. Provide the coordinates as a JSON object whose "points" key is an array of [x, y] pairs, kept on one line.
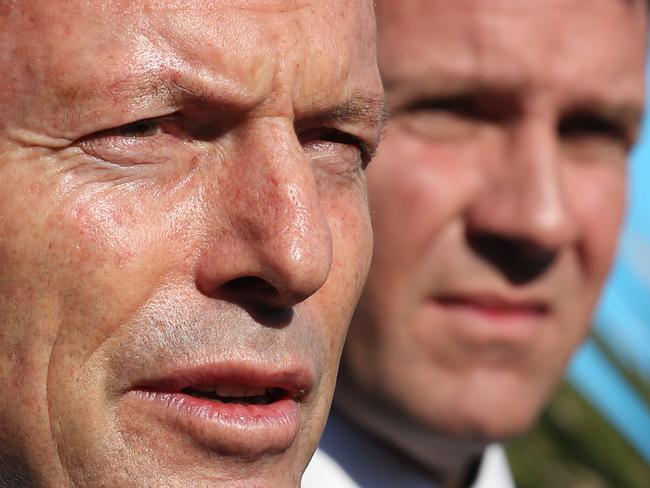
{"points": [[497, 196], [184, 235]]}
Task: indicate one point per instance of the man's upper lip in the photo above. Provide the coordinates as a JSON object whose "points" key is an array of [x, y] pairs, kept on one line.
{"points": [[495, 300], [295, 380]]}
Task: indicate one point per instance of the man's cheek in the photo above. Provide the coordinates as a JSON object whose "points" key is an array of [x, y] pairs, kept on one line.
{"points": [[353, 252], [599, 209], [349, 274], [101, 262]]}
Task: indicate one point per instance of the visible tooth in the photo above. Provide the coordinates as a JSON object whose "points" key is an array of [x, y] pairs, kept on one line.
{"points": [[228, 390], [255, 391], [231, 390]]}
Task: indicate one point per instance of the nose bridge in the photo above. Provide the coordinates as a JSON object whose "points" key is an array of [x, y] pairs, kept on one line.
{"points": [[268, 200], [525, 197]]}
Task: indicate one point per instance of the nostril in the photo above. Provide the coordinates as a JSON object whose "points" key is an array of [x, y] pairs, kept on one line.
{"points": [[261, 299], [519, 260], [252, 286]]}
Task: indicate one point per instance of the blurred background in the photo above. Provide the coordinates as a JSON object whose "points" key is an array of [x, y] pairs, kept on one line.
{"points": [[596, 431]]}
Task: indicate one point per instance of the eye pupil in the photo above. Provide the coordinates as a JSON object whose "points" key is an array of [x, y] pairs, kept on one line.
{"points": [[141, 128]]}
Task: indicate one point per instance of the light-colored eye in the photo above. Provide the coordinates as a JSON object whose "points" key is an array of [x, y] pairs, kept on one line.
{"points": [[141, 128], [337, 144], [152, 140], [590, 137], [455, 118]]}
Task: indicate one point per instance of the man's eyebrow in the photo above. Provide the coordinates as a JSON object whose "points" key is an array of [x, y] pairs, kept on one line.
{"points": [[365, 109], [627, 115]]}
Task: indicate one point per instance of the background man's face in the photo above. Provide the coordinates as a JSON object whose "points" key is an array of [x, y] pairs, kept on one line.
{"points": [[496, 195], [184, 219]]}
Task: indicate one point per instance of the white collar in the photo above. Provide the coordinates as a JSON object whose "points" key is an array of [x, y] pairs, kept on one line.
{"points": [[349, 458]]}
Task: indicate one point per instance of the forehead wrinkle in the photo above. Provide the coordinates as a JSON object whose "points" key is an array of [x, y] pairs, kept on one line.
{"points": [[270, 6], [175, 88], [260, 78]]}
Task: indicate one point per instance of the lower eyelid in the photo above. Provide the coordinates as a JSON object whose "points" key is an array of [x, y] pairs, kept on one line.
{"points": [[322, 146], [126, 151], [335, 151], [330, 147], [124, 143]]}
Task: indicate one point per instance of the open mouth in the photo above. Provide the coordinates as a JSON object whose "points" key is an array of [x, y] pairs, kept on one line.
{"points": [[240, 420], [240, 394], [230, 409]]}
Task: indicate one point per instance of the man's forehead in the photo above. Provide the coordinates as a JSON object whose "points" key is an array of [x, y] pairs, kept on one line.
{"points": [[508, 45], [270, 6], [159, 57], [463, 25], [222, 22]]}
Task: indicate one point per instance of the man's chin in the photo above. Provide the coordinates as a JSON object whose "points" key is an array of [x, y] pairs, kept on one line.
{"points": [[142, 449], [148, 467], [483, 422]]}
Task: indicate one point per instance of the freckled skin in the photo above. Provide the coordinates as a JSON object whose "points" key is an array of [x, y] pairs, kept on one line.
{"points": [[118, 250], [511, 161]]}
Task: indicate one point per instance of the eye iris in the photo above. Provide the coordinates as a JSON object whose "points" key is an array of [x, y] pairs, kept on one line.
{"points": [[142, 128]]}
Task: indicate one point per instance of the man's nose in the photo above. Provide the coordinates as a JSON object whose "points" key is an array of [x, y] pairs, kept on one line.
{"points": [[522, 218], [270, 241]]}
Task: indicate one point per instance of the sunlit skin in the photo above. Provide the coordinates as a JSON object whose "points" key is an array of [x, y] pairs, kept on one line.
{"points": [[182, 191], [496, 198]]}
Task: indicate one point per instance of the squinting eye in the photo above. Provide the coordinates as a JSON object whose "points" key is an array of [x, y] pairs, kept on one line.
{"points": [[591, 138], [338, 137], [143, 141], [584, 125], [340, 151], [141, 128]]}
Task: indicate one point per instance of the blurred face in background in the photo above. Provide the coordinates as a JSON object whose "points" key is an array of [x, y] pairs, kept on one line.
{"points": [[184, 235], [497, 196]]}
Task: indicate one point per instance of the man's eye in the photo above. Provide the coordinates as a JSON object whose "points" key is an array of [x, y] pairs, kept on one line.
{"points": [[486, 108], [141, 128], [338, 144], [339, 137], [455, 118], [578, 126], [144, 141], [590, 138]]}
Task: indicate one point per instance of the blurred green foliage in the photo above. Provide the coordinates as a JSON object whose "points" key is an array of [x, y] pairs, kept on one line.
{"points": [[574, 446]]}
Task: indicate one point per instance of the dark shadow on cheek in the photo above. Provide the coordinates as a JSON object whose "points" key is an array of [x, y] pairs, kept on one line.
{"points": [[15, 472]]}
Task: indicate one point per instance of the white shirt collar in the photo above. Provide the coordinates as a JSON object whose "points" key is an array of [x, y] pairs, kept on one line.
{"points": [[349, 458]]}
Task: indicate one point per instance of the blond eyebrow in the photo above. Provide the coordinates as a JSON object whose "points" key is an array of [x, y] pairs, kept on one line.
{"points": [[629, 113], [366, 109], [360, 108]]}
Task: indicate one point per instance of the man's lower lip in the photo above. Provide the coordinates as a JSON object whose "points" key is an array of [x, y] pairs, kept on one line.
{"points": [[488, 323], [236, 429], [496, 314]]}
